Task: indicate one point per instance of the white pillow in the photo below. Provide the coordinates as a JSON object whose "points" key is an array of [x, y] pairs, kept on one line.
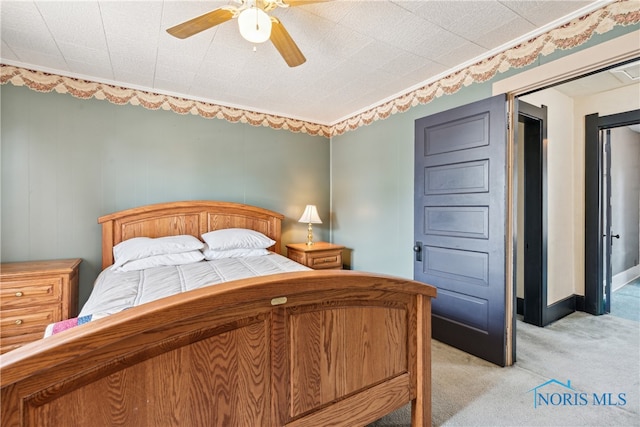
{"points": [[144, 247], [162, 260], [234, 253], [236, 238]]}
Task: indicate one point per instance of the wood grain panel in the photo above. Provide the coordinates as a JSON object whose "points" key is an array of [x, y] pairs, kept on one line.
{"points": [[375, 345], [421, 376], [170, 225], [306, 341], [336, 351], [226, 377], [372, 404], [279, 367]]}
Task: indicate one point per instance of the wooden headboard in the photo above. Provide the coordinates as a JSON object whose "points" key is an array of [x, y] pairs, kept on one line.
{"points": [[187, 217]]}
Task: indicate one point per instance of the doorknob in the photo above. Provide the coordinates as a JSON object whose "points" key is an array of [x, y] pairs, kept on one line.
{"points": [[617, 236], [417, 248]]}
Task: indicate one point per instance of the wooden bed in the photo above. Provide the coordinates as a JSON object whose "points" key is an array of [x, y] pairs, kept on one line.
{"points": [[316, 348]]}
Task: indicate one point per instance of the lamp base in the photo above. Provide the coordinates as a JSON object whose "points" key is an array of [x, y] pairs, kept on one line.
{"points": [[309, 235]]}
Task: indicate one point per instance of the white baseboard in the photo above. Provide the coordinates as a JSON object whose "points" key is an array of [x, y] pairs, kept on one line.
{"points": [[621, 279]]}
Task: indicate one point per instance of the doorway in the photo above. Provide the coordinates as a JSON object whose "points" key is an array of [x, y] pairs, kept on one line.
{"points": [[625, 222], [613, 53], [599, 237], [531, 141]]}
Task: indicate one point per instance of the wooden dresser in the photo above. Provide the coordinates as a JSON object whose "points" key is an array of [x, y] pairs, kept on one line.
{"points": [[34, 294], [319, 256]]}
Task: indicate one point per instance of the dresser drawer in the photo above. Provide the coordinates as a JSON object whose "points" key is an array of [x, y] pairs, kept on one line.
{"points": [[11, 343], [325, 260], [19, 293], [20, 326]]}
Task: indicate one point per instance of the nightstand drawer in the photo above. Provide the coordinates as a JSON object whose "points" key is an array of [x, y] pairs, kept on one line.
{"points": [[319, 256], [320, 261], [21, 293]]}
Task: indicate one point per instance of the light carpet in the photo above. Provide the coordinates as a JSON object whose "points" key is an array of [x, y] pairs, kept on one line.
{"points": [[625, 302], [598, 357]]}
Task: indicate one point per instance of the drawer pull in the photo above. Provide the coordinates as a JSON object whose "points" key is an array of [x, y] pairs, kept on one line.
{"points": [[19, 294], [19, 322]]}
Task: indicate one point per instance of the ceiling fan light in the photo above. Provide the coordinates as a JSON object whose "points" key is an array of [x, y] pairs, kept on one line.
{"points": [[255, 25]]}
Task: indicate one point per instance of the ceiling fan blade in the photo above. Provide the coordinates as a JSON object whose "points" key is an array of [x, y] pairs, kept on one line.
{"points": [[284, 43], [201, 23], [294, 3]]}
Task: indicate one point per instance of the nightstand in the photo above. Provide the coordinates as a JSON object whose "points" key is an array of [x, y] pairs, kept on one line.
{"points": [[34, 294], [319, 256]]}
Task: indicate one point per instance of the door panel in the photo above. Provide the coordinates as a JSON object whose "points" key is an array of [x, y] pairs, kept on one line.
{"points": [[460, 224]]}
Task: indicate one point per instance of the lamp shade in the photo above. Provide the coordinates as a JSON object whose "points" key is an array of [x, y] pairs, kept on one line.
{"points": [[310, 215], [255, 25]]}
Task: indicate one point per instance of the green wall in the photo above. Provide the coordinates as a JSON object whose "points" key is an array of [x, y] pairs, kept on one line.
{"points": [[67, 161], [372, 192]]}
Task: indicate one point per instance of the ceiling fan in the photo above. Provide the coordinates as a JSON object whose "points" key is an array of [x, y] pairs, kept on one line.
{"points": [[255, 25]]}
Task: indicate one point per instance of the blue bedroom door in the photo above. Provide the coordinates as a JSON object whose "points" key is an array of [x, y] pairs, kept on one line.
{"points": [[461, 225]]}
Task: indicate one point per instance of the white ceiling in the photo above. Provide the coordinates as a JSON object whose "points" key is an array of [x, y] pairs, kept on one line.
{"points": [[616, 77], [359, 53]]}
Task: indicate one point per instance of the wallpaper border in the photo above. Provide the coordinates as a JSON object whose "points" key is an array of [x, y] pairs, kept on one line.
{"points": [[567, 36]]}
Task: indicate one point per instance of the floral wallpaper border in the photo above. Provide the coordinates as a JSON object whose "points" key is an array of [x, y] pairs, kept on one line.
{"points": [[570, 35]]}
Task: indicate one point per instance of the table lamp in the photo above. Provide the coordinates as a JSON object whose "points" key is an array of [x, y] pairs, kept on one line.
{"points": [[310, 216]]}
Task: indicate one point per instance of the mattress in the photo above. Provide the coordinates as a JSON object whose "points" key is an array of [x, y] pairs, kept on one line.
{"points": [[115, 291]]}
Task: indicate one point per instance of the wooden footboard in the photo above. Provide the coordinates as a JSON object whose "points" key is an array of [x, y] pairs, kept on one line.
{"points": [[317, 348]]}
